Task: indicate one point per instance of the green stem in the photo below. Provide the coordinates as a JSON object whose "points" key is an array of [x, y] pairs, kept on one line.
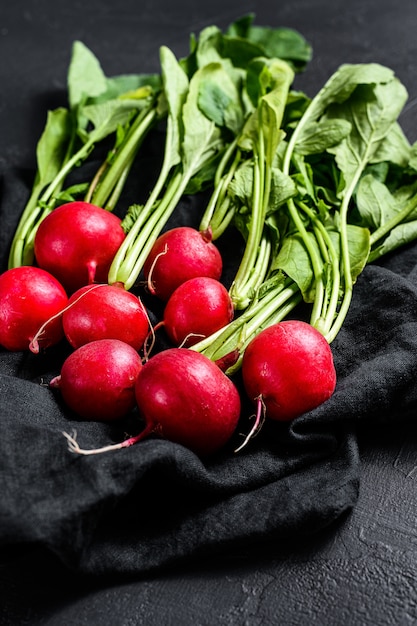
{"points": [[120, 259], [76, 158], [98, 176], [268, 308], [116, 174], [113, 199], [222, 218], [214, 212], [231, 148], [316, 262], [257, 274], [330, 256], [238, 290], [345, 257], [142, 239], [21, 251]]}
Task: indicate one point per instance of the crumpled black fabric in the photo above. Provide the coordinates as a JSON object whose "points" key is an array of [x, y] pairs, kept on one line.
{"points": [[157, 503]]}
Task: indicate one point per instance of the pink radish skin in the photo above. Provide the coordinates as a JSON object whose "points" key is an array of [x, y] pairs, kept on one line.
{"points": [[77, 242], [289, 368], [178, 255], [185, 398], [97, 381], [29, 296], [105, 312], [196, 309]]}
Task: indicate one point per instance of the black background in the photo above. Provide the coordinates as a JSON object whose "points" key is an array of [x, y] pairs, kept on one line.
{"points": [[362, 568]]}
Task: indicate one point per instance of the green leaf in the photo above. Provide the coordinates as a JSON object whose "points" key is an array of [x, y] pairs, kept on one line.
{"points": [[399, 236], [323, 135], [201, 135], [204, 177], [219, 98], [375, 203], [283, 43], [129, 86], [85, 76], [175, 91], [395, 148], [296, 106], [213, 46], [266, 75], [108, 116], [359, 248], [268, 83], [132, 214], [413, 157], [52, 145], [241, 185], [294, 259], [371, 111], [75, 192], [345, 80], [282, 189]]}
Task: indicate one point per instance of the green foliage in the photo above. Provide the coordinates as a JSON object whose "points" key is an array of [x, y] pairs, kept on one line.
{"points": [[354, 198], [316, 187], [98, 107]]}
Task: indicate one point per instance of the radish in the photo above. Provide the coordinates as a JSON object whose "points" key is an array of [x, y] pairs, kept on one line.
{"points": [[185, 398], [97, 380], [29, 296], [180, 254], [105, 312], [77, 242], [288, 368], [196, 309]]}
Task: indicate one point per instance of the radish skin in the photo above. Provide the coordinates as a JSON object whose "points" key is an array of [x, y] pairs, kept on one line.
{"points": [[289, 367], [196, 309], [180, 254], [76, 243], [97, 381], [29, 296], [186, 398], [105, 312]]}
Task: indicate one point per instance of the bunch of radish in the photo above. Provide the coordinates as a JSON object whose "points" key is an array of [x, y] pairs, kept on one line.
{"points": [[180, 394]]}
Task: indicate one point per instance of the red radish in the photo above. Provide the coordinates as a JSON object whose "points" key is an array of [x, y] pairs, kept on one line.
{"points": [[178, 255], [289, 368], [185, 398], [77, 242], [105, 312], [196, 309], [97, 381], [29, 296]]}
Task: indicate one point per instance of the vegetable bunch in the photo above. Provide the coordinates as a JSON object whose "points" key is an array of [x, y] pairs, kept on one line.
{"points": [[315, 188]]}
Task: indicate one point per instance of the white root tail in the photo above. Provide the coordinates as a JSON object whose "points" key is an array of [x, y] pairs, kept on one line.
{"points": [[259, 420], [75, 448]]}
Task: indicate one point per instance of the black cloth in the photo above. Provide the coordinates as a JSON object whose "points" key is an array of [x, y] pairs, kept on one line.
{"points": [[157, 504]]}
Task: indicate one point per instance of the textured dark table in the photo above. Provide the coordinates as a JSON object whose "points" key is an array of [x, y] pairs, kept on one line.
{"points": [[364, 570]]}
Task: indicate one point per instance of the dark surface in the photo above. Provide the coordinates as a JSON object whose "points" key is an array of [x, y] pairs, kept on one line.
{"points": [[349, 566]]}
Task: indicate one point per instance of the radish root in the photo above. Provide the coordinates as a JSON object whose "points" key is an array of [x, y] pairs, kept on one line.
{"points": [[146, 349], [190, 336], [150, 284], [74, 447], [259, 420], [34, 343]]}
